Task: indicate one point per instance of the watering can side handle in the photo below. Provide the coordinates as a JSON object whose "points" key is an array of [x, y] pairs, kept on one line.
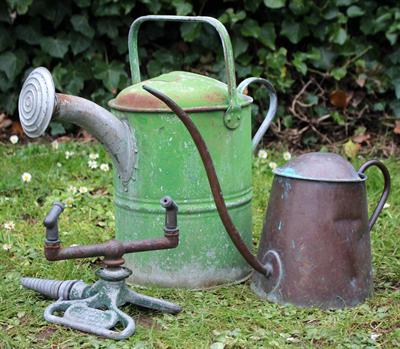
{"points": [[273, 104], [232, 116], [386, 188]]}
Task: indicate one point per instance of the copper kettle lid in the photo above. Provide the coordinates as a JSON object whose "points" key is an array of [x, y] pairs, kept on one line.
{"points": [[316, 166]]}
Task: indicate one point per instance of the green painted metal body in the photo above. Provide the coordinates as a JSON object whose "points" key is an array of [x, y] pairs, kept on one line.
{"points": [[168, 163]]}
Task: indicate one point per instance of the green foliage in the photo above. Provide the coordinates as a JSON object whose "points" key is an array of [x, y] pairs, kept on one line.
{"points": [[84, 44]]}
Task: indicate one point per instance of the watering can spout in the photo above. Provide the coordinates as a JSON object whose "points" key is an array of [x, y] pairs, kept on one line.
{"points": [[39, 104]]}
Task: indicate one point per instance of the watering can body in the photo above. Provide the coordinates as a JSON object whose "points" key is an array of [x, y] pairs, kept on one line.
{"points": [[153, 155], [167, 162], [317, 224]]}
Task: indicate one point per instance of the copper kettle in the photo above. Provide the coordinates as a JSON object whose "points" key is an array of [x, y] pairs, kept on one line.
{"points": [[317, 223]]}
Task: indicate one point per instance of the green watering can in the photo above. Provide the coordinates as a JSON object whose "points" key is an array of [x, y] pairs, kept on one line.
{"points": [[154, 155]]}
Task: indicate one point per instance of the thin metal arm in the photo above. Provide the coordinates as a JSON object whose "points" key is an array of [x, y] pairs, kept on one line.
{"points": [[214, 183], [113, 250]]}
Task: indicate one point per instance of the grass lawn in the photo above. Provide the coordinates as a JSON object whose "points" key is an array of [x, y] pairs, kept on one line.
{"points": [[225, 317]]}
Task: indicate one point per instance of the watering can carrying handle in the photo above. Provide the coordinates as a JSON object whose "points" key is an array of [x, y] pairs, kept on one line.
{"points": [[232, 115], [273, 104], [386, 188]]}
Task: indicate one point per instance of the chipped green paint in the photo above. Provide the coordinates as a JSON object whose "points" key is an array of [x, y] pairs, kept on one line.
{"points": [[168, 164]]}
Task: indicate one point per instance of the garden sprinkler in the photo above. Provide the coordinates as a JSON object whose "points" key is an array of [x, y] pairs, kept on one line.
{"points": [[95, 308]]}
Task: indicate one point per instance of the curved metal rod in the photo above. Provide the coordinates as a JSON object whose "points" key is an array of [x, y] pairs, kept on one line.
{"points": [[219, 27], [213, 181], [386, 188], [273, 105], [232, 114]]}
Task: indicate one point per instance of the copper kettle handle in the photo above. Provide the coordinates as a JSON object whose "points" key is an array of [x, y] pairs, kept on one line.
{"points": [[386, 188]]}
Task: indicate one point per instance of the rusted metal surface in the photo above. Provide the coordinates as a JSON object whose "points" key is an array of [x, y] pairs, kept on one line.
{"points": [[213, 181], [112, 250], [320, 229], [94, 309], [192, 92]]}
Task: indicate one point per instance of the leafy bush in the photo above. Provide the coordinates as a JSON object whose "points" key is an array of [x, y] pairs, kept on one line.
{"points": [[319, 54]]}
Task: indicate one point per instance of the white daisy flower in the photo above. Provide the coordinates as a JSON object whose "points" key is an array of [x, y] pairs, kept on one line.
{"points": [[287, 156], [14, 139], [72, 189], [26, 177], [93, 156], [262, 154], [54, 145], [7, 247], [69, 202], [83, 190], [374, 336], [9, 225], [93, 164], [105, 167], [69, 154], [273, 165]]}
